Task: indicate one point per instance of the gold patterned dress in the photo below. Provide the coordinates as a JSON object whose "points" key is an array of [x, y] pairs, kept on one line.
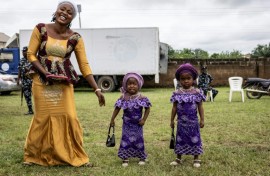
{"points": [[55, 134]]}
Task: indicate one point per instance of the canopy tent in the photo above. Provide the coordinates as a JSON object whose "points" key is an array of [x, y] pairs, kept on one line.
{"points": [[13, 41]]}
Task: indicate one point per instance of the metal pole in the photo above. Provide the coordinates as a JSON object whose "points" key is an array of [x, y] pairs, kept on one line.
{"points": [[79, 10]]}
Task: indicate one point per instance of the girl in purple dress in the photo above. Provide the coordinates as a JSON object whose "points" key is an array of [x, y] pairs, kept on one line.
{"points": [[132, 102], [186, 101]]}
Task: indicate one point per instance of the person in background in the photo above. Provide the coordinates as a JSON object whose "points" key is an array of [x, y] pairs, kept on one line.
{"points": [[26, 81], [186, 101], [55, 136], [204, 82], [133, 103]]}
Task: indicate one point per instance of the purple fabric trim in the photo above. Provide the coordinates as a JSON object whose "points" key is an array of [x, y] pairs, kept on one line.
{"points": [[191, 96], [133, 103]]}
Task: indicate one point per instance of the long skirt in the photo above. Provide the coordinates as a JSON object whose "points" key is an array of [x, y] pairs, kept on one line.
{"points": [[188, 138], [132, 142], [55, 134]]}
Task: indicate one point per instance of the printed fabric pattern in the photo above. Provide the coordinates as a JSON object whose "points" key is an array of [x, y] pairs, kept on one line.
{"points": [[132, 142], [188, 138], [64, 68]]}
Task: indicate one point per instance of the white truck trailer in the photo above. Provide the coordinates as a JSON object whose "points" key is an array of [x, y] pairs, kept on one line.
{"points": [[112, 52]]}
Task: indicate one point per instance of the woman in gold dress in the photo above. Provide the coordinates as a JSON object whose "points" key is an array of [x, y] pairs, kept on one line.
{"points": [[55, 134]]}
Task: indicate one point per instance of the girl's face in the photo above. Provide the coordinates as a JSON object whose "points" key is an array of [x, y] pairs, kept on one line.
{"points": [[186, 80], [64, 14], [132, 86]]}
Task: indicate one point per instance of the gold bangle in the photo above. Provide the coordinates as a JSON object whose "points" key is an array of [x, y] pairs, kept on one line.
{"points": [[97, 90]]}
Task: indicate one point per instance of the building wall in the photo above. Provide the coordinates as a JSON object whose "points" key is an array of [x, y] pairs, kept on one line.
{"points": [[220, 70]]}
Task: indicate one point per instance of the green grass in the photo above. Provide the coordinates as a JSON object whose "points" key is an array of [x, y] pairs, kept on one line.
{"points": [[236, 137]]}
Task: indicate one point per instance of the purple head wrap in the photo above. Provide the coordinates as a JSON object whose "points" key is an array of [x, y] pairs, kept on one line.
{"points": [[186, 68], [137, 76]]}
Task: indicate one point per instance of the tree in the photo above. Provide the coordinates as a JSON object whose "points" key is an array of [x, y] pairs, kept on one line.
{"points": [[261, 51], [214, 56], [171, 52], [201, 54], [187, 53], [235, 54]]}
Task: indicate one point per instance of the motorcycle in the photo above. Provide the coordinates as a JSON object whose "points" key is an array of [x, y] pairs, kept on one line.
{"points": [[257, 87]]}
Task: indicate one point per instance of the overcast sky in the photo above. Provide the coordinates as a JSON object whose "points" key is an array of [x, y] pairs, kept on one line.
{"points": [[211, 25]]}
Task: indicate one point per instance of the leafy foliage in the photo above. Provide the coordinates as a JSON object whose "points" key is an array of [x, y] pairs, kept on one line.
{"points": [[187, 53], [235, 54], [261, 51]]}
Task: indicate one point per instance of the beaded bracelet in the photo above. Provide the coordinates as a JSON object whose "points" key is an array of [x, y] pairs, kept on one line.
{"points": [[97, 90]]}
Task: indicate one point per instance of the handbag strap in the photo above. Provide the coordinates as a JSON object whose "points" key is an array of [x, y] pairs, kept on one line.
{"points": [[110, 129], [172, 131]]}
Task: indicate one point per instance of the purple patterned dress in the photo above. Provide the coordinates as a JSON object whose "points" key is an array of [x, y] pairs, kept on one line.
{"points": [[188, 138], [132, 142]]}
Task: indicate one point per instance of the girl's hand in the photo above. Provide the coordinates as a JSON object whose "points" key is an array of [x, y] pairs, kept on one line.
{"points": [[141, 122], [112, 123], [172, 124], [201, 123]]}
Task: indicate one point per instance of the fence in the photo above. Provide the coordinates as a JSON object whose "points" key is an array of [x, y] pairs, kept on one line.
{"points": [[219, 69]]}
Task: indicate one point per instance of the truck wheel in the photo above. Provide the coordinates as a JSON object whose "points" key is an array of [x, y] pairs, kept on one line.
{"points": [[106, 84]]}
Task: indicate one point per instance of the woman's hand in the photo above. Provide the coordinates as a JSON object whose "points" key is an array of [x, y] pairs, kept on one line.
{"points": [[101, 98]]}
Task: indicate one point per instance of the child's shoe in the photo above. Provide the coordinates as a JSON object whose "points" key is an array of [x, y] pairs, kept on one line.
{"points": [[125, 163], [141, 162], [197, 163], [176, 162]]}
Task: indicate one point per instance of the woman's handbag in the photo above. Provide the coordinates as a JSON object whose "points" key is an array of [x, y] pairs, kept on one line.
{"points": [[172, 142], [110, 142]]}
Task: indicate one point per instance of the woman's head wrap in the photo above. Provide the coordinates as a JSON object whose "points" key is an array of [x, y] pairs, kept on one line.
{"points": [[137, 76], [73, 5], [186, 68]]}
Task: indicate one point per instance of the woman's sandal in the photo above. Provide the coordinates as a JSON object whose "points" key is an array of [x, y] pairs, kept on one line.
{"points": [[176, 162], [88, 165], [125, 163], [28, 163], [197, 163]]}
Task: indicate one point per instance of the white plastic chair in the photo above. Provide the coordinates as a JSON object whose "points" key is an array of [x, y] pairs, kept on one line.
{"points": [[236, 86], [175, 83], [209, 95]]}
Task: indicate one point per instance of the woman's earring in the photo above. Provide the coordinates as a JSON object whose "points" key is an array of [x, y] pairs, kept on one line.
{"points": [[53, 18], [69, 25]]}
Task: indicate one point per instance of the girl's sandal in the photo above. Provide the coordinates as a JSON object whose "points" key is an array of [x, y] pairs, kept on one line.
{"points": [[125, 163], [197, 163], [141, 162], [176, 162]]}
